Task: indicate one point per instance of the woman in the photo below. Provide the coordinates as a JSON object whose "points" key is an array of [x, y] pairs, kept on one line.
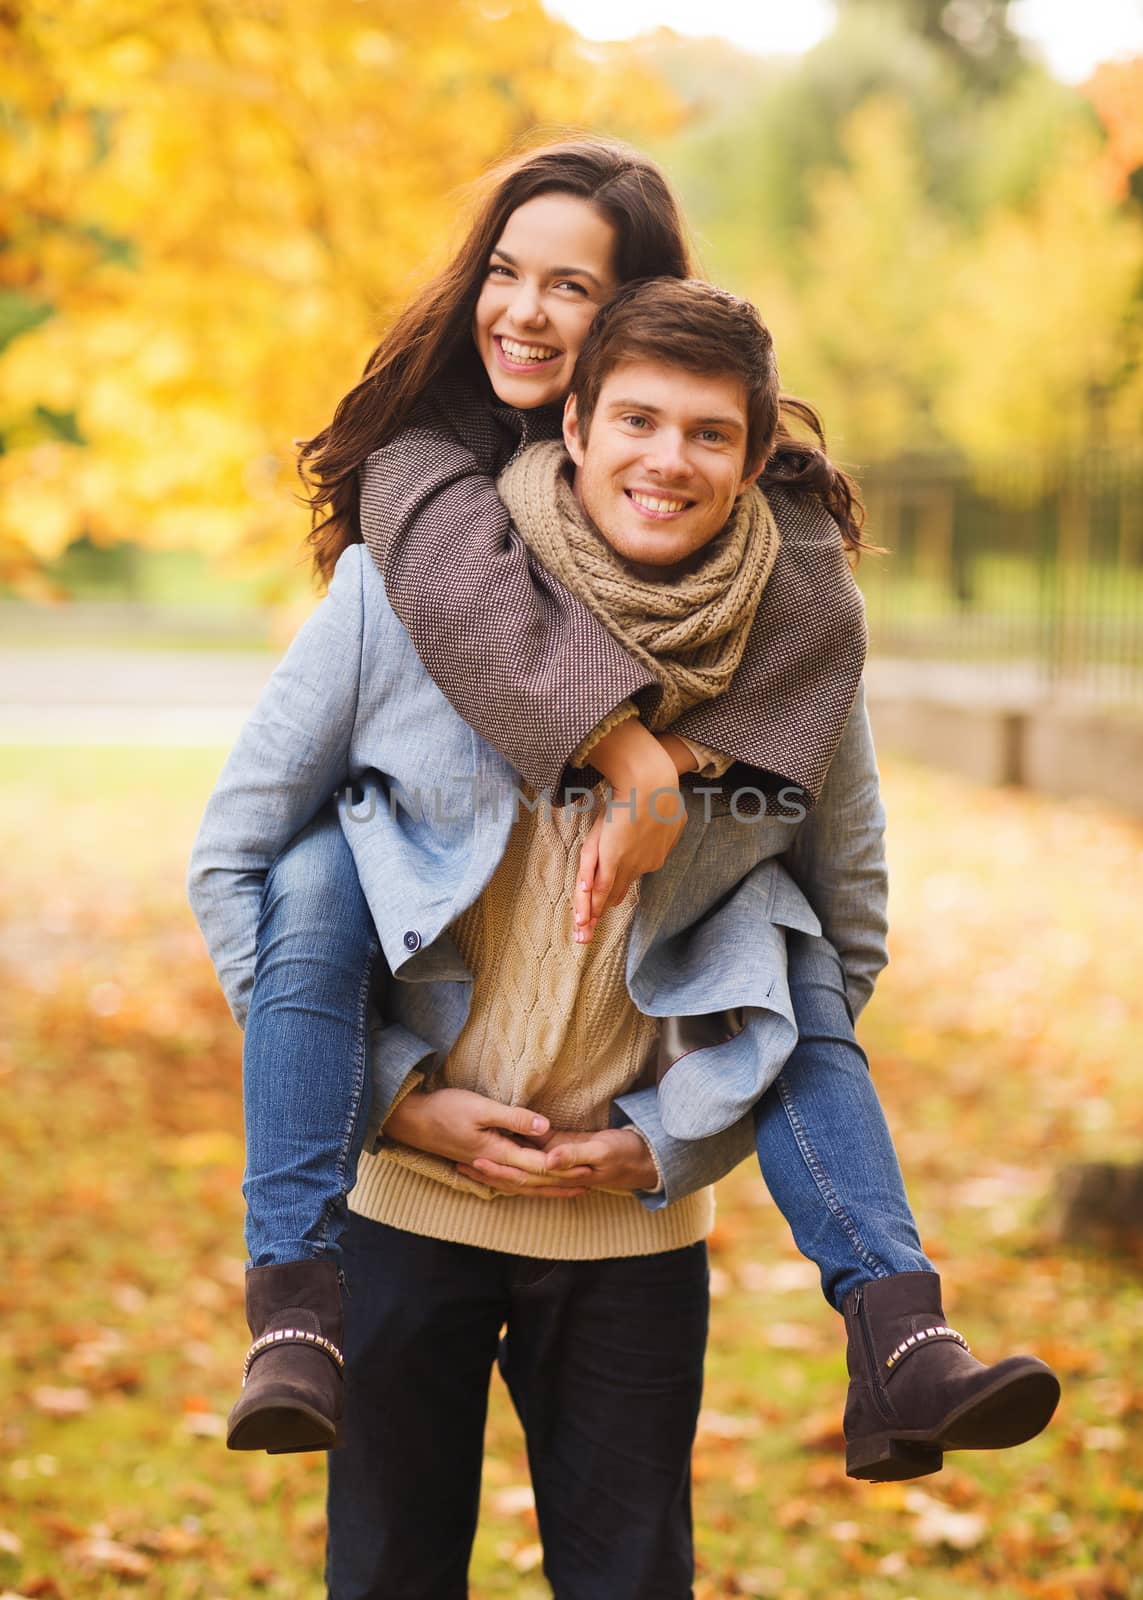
{"points": [[500, 331]]}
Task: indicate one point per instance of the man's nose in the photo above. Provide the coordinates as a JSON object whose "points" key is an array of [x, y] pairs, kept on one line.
{"points": [[667, 454]]}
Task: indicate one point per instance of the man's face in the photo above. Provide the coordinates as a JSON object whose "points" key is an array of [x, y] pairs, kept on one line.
{"points": [[662, 464]]}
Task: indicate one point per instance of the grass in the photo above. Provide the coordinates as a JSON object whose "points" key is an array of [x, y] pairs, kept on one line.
{"points": [[1006, 1039]]}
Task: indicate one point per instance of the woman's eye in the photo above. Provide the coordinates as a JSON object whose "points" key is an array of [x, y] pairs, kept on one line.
{"points": [[496, 268], [568, 284]]}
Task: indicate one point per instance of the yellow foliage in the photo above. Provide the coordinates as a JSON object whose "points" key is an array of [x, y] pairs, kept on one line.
{"points": [[221, 205], [1116, 91], [1040, 326], [852, 309]]}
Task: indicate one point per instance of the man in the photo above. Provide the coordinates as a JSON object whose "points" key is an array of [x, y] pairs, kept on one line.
{"points": [[459, 1231]]}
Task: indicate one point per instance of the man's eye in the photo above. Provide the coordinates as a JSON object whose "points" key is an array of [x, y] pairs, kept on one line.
{"points": [[635, 421], [712, 436]]}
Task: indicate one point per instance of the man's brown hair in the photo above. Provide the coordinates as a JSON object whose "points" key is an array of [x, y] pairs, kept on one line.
{"points": [[682, 322], [431, 341]]}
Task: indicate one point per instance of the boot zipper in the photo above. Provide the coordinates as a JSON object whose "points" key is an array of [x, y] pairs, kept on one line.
{"points": [[880, 1399]]}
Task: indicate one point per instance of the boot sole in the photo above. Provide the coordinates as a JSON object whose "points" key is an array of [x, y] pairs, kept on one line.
{"points": [[1015, 1410], [284, 1430]]}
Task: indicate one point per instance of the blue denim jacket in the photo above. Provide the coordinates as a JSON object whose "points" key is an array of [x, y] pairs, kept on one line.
{"points": [[427, 806]]}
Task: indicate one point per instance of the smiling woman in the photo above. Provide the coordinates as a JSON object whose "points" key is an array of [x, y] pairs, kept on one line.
{"points": [[520, 1085], [551, 270]]}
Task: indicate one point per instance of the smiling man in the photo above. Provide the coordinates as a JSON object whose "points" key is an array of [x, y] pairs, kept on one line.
{"points": [[552, 1113]]}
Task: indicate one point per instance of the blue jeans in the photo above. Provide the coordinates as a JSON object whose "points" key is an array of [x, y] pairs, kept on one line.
{"points": [[306, 1080], [604, 1363], [823, 1144]]}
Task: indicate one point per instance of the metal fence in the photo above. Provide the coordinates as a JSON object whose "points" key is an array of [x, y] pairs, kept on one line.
{"points": [[1028, 584]]}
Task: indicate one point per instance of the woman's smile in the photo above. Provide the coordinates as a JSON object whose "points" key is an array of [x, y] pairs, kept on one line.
{"points": [[547, 276], [518, 357]]}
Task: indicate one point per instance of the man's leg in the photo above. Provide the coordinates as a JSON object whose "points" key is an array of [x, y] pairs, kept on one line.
{"points": [[604, 1360], [823, 1143], [422, 1321]]}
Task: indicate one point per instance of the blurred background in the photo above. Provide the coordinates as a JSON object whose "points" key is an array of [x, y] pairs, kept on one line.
{"points": [[211, 209]]}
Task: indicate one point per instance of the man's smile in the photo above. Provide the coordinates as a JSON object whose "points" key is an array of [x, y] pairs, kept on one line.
{"points": [[657, 505]]}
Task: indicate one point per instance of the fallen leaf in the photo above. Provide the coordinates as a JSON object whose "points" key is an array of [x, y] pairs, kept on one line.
{"points": [[528, 1557], [108, 1555], [721, 1425], [513, 1501], [936, 1524]]}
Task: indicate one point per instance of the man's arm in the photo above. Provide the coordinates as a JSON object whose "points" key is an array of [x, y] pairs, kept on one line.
{"points": [[684, 1165], [838, 861], [289, 759]]}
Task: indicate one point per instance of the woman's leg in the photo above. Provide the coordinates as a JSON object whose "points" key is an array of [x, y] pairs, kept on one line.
{"points": [[305, 1062], [915, 1389], [422, 1321], [823, 1144]]}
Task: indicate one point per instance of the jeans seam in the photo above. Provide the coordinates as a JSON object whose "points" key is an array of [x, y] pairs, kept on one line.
{"points": [[822, 1183], [354, 1109]]}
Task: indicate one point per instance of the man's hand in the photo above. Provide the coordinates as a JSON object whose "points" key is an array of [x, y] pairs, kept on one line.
{"points": [[613, 1158], [647, 817], [465, 1127]]}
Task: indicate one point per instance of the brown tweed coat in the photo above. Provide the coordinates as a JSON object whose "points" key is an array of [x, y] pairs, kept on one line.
{"points": [[527, 664]]}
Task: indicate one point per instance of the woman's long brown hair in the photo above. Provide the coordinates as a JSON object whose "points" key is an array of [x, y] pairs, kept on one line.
{"points": [[431, 340], [432, 337]]}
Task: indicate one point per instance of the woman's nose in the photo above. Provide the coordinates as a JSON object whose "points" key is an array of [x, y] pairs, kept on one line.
{"points": [[527, 309]]}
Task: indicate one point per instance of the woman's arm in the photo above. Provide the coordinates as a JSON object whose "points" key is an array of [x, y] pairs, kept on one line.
{"points": [[522, 659], [289, 759]]}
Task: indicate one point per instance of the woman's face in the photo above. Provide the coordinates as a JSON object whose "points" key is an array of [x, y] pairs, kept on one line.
{"points": [[549, 272]]}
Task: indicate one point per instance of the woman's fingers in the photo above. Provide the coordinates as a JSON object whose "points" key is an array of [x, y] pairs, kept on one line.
{"points": [[585, 879]]}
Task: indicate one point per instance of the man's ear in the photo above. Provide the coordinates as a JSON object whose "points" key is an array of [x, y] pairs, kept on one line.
{"points": [[572, 438], [749, 479]]}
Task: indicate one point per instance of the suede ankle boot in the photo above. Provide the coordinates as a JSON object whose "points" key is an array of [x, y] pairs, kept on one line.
{"points": [[915, 1391], [292, 1387]]}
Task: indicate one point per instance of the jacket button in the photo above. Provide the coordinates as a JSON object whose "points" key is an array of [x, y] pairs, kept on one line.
{"points": [[412, 940]]}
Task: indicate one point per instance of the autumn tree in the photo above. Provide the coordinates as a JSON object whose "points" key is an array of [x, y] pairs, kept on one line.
{"points": [[213, 208]]}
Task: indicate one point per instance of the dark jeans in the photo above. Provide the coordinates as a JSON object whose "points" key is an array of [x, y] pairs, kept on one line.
{"points": [[604, 1363]]}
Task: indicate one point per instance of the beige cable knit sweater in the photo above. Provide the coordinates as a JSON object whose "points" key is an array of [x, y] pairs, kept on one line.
{"points": [[551, 1026]]}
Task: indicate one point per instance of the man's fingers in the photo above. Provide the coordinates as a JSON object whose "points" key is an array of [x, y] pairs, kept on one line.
{"points": [[519, 1159], [544, 1191], [518, 1119], [579, 1157], [511, 1179]]}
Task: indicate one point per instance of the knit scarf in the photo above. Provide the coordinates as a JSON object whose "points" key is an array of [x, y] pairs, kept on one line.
{"points": [[689, 631]]}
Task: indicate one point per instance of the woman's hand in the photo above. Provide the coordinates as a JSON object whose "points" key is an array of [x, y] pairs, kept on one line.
{"points": [[613, 1158], [647, 817], [465, 1127]]}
